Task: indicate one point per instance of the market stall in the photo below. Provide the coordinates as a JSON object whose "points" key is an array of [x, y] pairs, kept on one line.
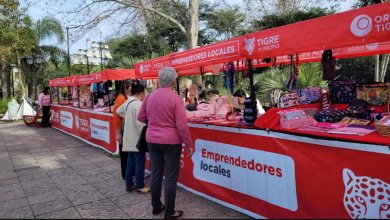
{"points": [[277, 170], [87, 113]]}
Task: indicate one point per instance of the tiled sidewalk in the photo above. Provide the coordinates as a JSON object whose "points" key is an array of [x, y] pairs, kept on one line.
{"points": [[74, 180]]}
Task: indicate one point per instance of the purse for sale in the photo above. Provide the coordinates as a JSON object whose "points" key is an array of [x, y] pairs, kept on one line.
{"points": [[325, 101], [332, 116], [309, 95], [288, 100], [358, 105], [329, 65], [373, 93], [342, 92]]}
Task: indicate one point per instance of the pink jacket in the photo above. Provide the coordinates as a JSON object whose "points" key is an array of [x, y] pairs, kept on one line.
{"points": [[44, 100], [164, 110]]}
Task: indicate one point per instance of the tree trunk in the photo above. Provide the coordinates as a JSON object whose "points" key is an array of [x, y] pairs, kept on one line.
{"points": [[273, 97], [18, 64], [376, 77], [4, 78], [384, 63], [193, 26]]}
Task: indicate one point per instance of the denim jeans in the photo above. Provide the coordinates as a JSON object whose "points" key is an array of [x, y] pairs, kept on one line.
{"points": [[137, 160]]}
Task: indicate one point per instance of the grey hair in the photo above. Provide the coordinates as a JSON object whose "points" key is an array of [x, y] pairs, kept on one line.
{"points": [[167, 76]]}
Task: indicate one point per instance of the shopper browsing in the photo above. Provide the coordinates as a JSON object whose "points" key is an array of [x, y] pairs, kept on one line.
{"points": [[44, 103], [167, 130], [241, 95], [125, 92], [129, 110]]}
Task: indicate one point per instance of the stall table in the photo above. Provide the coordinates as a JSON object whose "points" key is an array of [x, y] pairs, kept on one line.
{"points": [[263, 173]]}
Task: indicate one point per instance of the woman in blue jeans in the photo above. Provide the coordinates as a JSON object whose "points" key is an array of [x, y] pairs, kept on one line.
{"points": [[129, 110]]}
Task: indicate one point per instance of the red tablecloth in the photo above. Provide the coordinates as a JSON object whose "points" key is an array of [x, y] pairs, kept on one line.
{"points": [[271, 120]]}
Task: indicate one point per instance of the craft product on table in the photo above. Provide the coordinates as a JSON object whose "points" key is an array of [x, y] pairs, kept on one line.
{"points": [[332, 116], [310, 111], [201, 113], [374, 94], [190, 114], [355, 121], [309, 95], [293, 114], [342, 92], [295, 118], [360, 130], [288, 100]]}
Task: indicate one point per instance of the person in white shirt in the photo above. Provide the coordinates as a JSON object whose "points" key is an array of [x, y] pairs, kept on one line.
{"points": [[132, 131], [241, 95]]}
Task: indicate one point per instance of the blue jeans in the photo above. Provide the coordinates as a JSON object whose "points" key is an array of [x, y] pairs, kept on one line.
{"points": [[135, 161]]}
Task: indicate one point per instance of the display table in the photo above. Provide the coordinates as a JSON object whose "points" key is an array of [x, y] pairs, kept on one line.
{"points": [[265, 173], [277, 175], [95, 128]]}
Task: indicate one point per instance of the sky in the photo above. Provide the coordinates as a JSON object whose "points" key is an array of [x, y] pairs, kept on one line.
{"points": [[37, 12]]}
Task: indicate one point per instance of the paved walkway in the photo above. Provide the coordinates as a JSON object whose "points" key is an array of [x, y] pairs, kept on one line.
{"points": [[74, 180]]}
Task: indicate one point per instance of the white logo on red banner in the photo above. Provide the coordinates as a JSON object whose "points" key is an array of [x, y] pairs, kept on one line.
{"points": [[66, 119], [372, 46], [260, 174], [141, 68], [361, 25], [365, 197], [100, 130], [250, 45]]}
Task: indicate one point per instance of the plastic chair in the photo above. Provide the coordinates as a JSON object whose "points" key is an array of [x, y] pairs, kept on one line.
{"points": [[28, 119]]}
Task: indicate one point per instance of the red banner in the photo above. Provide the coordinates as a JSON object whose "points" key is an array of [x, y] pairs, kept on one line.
{"points": [[93, 127], [277, 175], [368, 25]]}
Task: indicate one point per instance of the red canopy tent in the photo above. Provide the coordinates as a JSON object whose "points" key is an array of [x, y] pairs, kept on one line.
{"points": [[367, 26]]}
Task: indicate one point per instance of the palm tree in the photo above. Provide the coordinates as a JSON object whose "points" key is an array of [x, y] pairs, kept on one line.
{"points": [[46, 30], [273, 80]]}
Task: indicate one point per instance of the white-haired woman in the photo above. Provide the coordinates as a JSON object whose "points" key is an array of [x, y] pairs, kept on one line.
{"points": [[165, 114]]}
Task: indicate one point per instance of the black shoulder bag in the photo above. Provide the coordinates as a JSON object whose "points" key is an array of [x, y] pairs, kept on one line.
{"points": [[142, 145]]}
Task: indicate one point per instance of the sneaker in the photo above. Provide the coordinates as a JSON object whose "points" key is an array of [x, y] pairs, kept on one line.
{"points": [[143, 190], [124, 179]]}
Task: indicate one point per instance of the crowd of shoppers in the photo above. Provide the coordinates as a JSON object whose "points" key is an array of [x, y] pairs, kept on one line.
{"points": [[164, 113]]}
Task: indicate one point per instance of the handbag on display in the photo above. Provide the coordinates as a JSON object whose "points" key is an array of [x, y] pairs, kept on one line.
{"points": [[325, 101], [342, 92], [332, 116], [373, 93], [288, 100], [328, 65], [309, 95]]}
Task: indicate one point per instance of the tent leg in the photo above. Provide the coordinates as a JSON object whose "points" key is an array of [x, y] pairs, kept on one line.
{"points": [[177, 86], [213, 81], [109, 106]]}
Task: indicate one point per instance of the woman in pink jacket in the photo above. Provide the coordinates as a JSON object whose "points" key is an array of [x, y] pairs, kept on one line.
{"points": [[44, 103], [165, 114]]}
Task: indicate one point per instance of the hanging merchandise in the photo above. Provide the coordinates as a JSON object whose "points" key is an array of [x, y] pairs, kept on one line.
{"points": [[292, 81], [325, 101], [228, 70], [281, 66], [273, 61], [329, 65], [297, 64]]}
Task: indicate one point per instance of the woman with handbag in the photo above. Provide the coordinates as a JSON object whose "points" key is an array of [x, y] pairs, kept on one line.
{"points": [[164, 112], [119, 122], [132, 131]]}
